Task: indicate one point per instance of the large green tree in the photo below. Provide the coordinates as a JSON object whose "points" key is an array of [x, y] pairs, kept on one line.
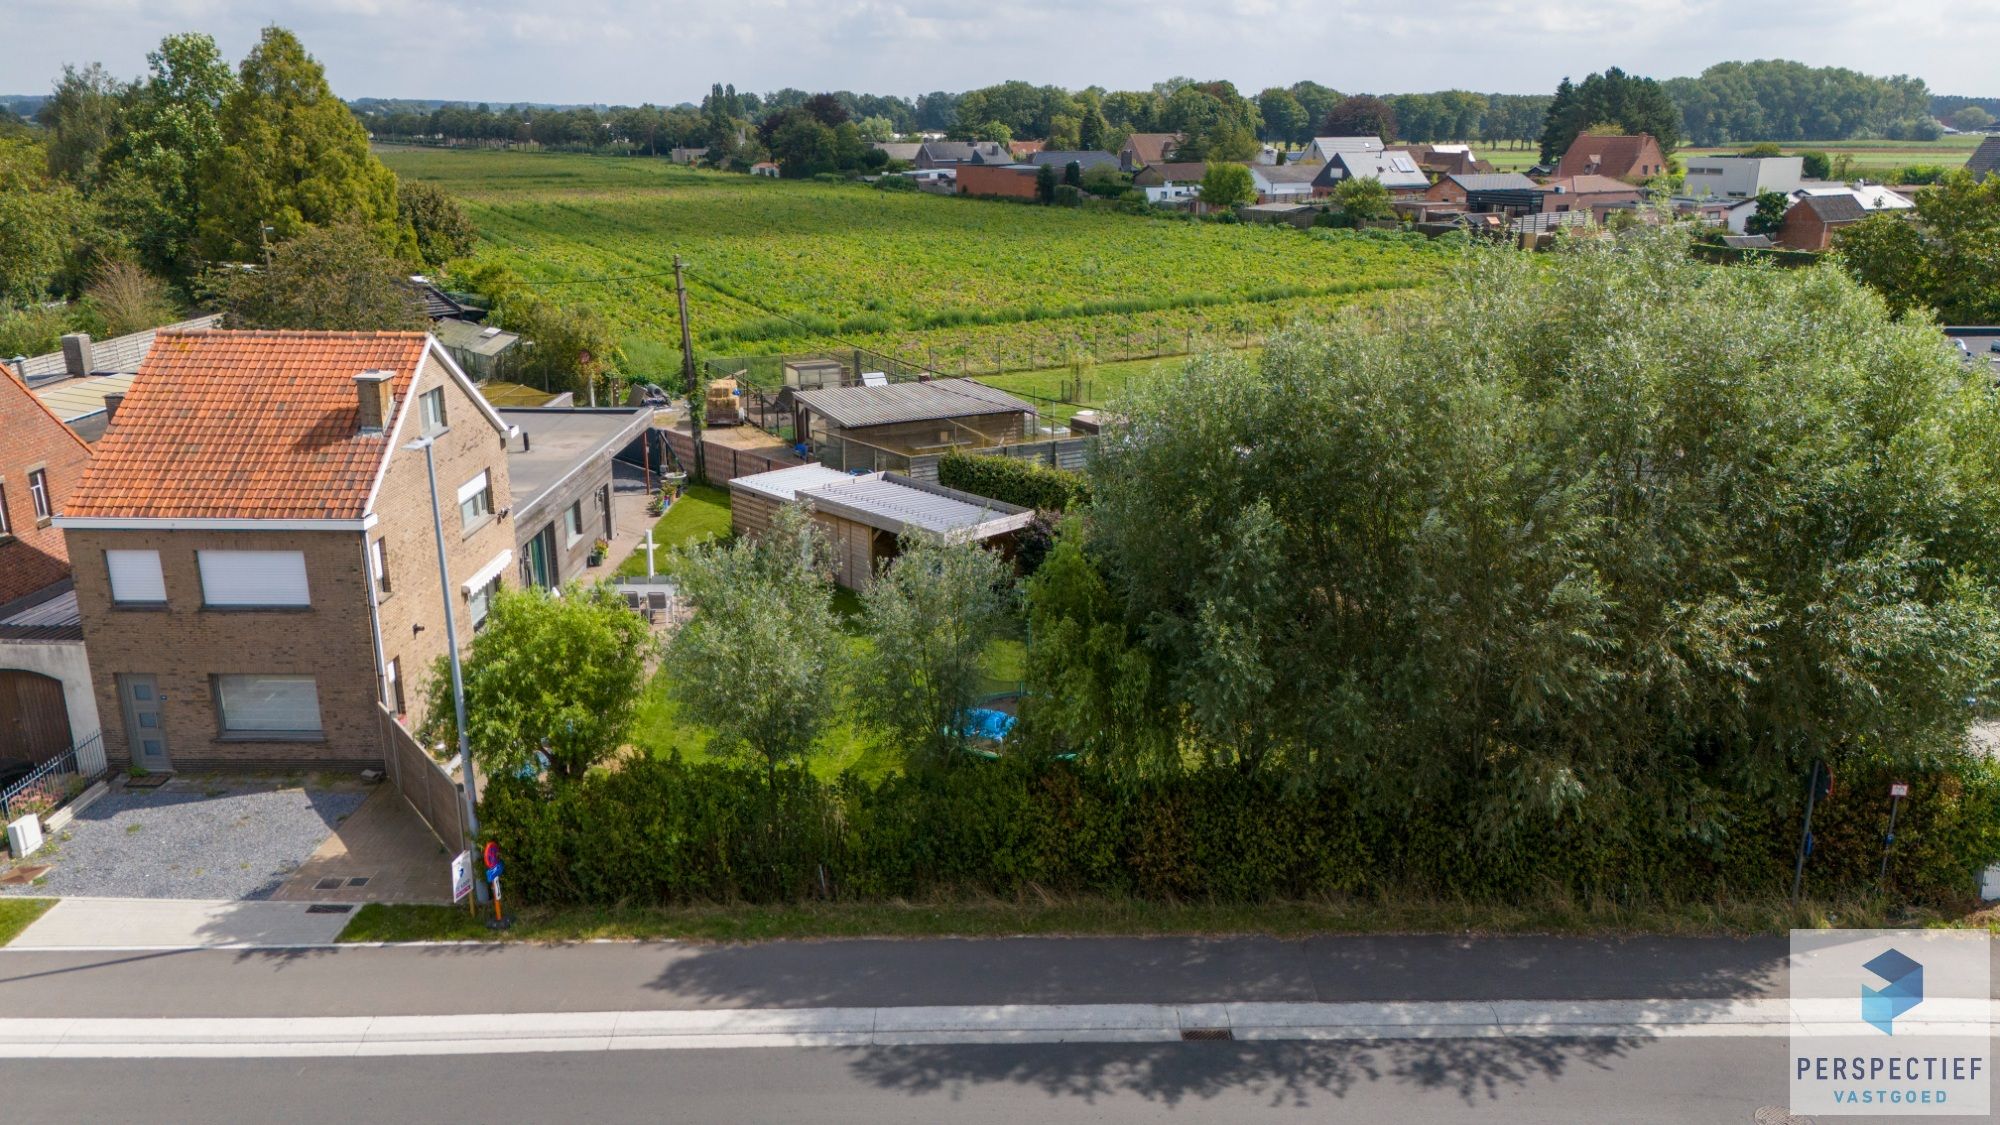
{"points": [[292, 157], [759, 659], [1628, 102], [1567, 533], [550, 674], [1945, 259], [171, 127], [333, 278], [932, 613], [436, 221]]}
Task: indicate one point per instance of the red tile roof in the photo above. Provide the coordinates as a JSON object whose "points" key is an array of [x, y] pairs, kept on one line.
{"points": [[247, 425], [1621, 158]]}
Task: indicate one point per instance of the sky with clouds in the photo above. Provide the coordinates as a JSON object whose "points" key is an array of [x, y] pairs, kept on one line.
{"points": [[667, 51]]}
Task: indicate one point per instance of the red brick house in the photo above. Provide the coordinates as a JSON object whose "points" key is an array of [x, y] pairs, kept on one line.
{"points": [[1810, 224], [256, 566], [1010, 181], [46, 702], [1598, 195], [1629, 158], [1143, 150]]}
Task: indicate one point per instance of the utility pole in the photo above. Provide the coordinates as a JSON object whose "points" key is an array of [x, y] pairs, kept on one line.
{"points": [[264, 241], [696, 406]]}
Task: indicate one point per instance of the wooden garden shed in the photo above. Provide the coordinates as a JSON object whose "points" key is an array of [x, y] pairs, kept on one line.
{"points": [[880, 427]]}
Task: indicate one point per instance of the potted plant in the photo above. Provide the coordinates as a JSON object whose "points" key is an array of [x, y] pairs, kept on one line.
{"points": [[598, 550]]}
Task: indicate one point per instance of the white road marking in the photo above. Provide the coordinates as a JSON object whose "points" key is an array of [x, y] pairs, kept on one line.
{"points": [[266, 1037]]}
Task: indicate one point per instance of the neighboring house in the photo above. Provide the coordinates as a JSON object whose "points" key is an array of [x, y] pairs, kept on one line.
{"points": [[1629, 158], [872, 428], [764, 168], [958, 154], [1084, 159], [559, 474], [76, 380], [1742, 177], [1985, 160], [688, 155], [1284, 183], [1596, 194], [1459, 187], [1869, 197], [255, 557], [1010, 181], [1164, 175], [866, 516], [1449, 160], [1142, 150], [46, 701], [481, 351], [1811, 222], [1396, 169], [905, 151], [1323, 149], [1021, 150], [438, 304]]}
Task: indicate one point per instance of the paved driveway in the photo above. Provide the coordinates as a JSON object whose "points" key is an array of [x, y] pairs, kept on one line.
{"points": [[197, 836]]}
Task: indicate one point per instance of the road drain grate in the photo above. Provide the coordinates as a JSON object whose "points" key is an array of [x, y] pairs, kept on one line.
{"points": [[1206, 1034], [358, 881], [330, 883], [328, 908]]}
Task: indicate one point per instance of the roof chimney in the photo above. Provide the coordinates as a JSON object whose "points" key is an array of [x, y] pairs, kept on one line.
{"points": [[76, 353], [376, 399], [112, 402]]}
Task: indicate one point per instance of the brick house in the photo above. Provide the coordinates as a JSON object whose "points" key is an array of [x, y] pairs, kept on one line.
{"points": [[1142, 150], [1811, 222], [1629, 158], [46, 702], [1010, 181], [1458, 187], [1599, 195], [256, 565]]}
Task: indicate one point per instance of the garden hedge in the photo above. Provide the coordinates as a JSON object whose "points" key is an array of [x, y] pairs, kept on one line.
{"points": [[668, 832], [1012, 480]]}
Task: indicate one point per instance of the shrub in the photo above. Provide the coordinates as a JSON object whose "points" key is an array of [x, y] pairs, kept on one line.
{"points": [[1014, 481], [666, 832]]}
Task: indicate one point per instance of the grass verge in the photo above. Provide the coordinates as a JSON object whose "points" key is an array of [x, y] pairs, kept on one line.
{"points": [[1117, 917], [17, 913]]}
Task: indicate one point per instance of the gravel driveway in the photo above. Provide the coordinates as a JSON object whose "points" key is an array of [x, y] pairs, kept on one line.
{"points": [[214, 837]]}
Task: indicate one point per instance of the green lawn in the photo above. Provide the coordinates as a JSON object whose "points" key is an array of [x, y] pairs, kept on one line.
{"points": [[1874, 159], [17, 913], [701, 515], [973, 917]]}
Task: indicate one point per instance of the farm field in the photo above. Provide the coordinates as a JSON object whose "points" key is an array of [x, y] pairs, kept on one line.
{"points": [[958, 284]]}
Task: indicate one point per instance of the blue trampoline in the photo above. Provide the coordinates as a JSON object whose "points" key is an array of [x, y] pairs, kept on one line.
{"points": [[986, 723]]}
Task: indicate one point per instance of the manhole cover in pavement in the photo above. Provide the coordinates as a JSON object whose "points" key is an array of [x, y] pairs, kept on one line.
{"points": [[330, 883], [22, 876], [1206, 1034], [328, 908], [1779, 1115]]}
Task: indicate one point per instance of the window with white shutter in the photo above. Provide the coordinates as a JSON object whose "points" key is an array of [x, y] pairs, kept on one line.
{"points": [[268, 706], [136, 577], [253, 579]]}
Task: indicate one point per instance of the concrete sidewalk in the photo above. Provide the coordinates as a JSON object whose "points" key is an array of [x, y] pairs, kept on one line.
{"points": [[165, 923]]}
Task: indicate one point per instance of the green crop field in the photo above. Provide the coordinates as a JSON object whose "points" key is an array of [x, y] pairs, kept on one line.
{"points": [[781, 266], [1874, 159]]}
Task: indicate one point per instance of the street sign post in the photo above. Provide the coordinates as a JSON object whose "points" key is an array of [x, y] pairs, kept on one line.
{"points": [[461, 875], [1820, 786], [1897, 791]]}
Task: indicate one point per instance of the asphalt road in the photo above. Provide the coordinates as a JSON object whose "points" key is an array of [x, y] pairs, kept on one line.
{"points": [[1492, 1082], [673, 975]]}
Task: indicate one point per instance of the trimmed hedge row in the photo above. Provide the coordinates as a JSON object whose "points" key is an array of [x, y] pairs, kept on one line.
{"points": [[667, 832], [1014, 481]]}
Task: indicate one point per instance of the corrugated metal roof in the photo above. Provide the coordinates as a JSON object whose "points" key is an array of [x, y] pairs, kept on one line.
{"points": [[57, 619], [120, 355], [854, 407], [783, 485], [478, 339], [897, 504], [70, 399]]}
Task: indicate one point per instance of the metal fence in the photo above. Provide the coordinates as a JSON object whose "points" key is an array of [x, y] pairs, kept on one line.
{"points": [[50, 785]]}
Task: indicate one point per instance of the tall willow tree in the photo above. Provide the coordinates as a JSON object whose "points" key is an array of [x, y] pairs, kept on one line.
{"points": [[1627, 521]]}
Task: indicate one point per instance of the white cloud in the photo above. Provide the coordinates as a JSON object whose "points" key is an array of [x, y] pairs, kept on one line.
{"points": [[671, 50]]}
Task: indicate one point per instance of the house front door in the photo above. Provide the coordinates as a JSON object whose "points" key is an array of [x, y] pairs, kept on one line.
{"points": [[145, 733]]}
